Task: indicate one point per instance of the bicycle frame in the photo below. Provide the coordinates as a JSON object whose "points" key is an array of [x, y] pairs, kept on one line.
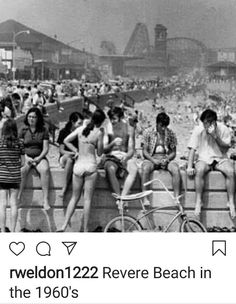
{"points": [[179, 213], [161, 210]]}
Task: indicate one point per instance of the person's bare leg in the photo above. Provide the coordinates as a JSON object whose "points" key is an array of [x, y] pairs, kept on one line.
{"points": [[147, 169], [130, 179], [111, 169], [14, 208], [24, 173], [77, 187], [67, 174], [173, 168], [3, 205], [201, 169], [227, 168], [89, 186], [43, 169]]}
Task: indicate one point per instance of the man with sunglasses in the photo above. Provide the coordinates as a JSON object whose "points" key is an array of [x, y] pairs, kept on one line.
{"points": [[209, 144]]}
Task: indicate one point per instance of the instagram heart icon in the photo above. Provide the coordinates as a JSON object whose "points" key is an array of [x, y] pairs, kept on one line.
{"points": [[17, 248]]}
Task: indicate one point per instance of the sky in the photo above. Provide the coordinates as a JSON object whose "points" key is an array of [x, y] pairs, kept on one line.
{"points": [[85, 23]]}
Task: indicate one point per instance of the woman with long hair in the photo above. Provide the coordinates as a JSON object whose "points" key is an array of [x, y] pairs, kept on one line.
{"points": [[90, 139], [36, 141], [7, 107], [11, 160], [7, 110], [66, 155]]}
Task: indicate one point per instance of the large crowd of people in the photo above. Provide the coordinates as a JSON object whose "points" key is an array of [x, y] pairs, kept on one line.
{"points": [[28, 93], [125, 141]]}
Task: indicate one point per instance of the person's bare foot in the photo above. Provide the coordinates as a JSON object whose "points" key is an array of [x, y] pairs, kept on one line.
{"points": [[46, 206], [232, 210], [18, 201], [62, 229], [198, 208]]}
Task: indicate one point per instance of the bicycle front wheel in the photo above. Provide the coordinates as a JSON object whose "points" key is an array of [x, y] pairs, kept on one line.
{"points": [[191, 225], [123, 224]]}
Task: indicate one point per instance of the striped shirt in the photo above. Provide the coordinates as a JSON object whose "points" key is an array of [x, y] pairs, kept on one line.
{"points": [[10, 161]]}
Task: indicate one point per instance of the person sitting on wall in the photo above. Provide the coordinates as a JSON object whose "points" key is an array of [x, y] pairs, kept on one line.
{"points": [[36, 142], [118, 153], [211, 140], [159, 152]]}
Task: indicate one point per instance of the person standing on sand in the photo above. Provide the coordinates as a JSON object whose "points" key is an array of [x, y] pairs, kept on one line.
{"points": [[90, 140], [66, 155], [11, 160]]}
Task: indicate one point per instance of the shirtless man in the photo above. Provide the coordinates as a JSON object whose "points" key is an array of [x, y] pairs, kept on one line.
{"points": [[119, 151]]}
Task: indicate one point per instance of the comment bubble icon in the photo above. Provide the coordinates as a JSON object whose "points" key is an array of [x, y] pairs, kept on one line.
{"points": [[43, 249]]}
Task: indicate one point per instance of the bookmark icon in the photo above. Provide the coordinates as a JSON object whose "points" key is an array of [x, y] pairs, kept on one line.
{"points": [[218, 247], [69, 246]]}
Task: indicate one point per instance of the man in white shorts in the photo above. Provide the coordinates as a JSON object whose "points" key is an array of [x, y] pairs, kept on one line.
{"points": [[211, 141]]}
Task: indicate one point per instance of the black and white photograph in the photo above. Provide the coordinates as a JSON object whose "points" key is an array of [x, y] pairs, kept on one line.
{"points": [[117, 116]]}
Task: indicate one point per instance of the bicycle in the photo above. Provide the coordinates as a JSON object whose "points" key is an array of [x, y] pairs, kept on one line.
{"points": [[127, 223]]}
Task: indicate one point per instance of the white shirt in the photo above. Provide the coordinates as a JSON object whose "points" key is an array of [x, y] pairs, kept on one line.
{"points": [[207, 148], [38, 100], [34, 91]]}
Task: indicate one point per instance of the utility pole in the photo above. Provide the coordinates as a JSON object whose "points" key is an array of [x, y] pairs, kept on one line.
{"points": [[42, 67]]}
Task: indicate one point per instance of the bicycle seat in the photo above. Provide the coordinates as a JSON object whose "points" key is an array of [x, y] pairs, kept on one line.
{"points": [[132, 197]]}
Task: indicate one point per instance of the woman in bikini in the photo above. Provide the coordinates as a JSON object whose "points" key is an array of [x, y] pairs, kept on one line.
{"points": [[66, 155], [90, 139]]}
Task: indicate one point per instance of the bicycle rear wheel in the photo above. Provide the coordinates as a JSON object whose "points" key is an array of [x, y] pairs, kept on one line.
{"points": [[123, 224], [192, 225]]}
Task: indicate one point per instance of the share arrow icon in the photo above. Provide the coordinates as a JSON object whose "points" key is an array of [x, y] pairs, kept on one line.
{"points": [[69, 246]]}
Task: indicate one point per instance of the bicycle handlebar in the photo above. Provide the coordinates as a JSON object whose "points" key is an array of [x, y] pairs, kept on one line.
{"points": [[164, 186], [154, 180]]}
